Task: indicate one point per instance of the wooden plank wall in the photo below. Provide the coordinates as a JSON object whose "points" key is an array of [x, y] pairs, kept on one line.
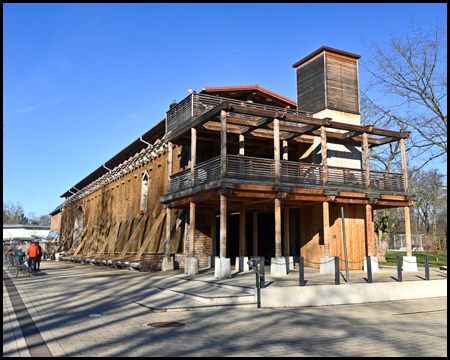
{"points": [[311, 85], [311, 225], [342, 82]]}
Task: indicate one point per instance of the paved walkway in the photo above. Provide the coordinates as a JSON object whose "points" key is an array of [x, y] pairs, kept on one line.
{"points": [[61, 297]]}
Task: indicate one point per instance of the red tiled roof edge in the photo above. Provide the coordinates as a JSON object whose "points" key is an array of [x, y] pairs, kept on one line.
{"points": [[248, 87]]}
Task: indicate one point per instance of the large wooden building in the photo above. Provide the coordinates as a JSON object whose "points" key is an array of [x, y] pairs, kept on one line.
{"points": [[238, 171]]}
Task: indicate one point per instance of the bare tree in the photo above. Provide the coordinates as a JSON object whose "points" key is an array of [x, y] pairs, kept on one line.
{"points": [[410, 74], [13, 213]]}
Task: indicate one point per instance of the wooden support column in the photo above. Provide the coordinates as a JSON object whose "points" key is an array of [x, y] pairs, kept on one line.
{"points": [[277, 227], [404, 168], [168, 228], [369, 231], [241, 145], [193, 153], [326, 228], [223, 143], [285, 150], [255, 233], [213, 235], [192, 229], [276, 150], [408, 232], [323, 136], [366, 160], [223, 226], [169, 163], [242, 233], [286, 232]]}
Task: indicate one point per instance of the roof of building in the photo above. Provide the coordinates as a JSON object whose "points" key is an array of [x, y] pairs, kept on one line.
{"points": [[26, 226], [137, 145], [249, 87], [325, 48]]}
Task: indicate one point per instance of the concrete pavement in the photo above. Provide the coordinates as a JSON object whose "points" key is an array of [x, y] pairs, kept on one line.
{"points": [[61, 297]]}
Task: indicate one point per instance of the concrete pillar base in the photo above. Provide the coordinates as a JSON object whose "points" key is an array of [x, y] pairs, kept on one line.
{"points": [[374, 264], [191, 266], [278, 266], [290, 262], [327, 265], [168, 263], [222, 269], [409, 263], [241, 263]]}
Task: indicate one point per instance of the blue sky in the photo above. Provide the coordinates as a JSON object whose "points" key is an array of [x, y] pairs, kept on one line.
{"points": [[82, 81]]}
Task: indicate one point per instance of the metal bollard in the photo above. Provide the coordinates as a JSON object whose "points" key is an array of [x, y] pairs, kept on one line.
{"points": [[399, 269], [369, 269], [262, 272], [301, 270], [427, 267], [337, 273], [258, 285]]}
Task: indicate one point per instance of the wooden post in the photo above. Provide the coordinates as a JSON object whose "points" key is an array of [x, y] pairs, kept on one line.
{"points": [[242, 234], [168, 226], [223, 226], [192, 229], [404, 168], [408, 232], [326, 228], [286, 232], [193, 153], [223, 143], [255, 233], [276, 149], [285, 150], [241, 145], [366, 160], [213, 234], [323, 136], [169, 163], [277, 227], [369, 231]]}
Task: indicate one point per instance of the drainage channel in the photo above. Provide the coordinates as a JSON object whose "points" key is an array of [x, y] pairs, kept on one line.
{"points": [[35, 343]]}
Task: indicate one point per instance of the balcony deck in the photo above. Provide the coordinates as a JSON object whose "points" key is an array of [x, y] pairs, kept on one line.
{"points": [[297, 174]]}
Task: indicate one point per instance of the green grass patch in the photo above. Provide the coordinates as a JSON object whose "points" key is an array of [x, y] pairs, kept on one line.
{"points": [[391, 258]]}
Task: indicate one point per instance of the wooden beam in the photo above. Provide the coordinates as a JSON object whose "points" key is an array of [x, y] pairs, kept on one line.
{"points": [[131, 239], [110, 240], [408, 232], [369, 231], [149, 236], [326, 228], [286, 232], [223, 143], [277, 228], [366, 160], [362, 129], [223, 226], [348, 134], [352, 194], [255, 233], [276, 149], [195, 198], [192, 229], [242, 233], [241, 145], [404, 166], [323, 136], [193, 153], [168, 232]]}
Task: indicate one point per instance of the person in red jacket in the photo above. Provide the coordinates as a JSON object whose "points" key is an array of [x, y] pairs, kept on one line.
{"points": [[32, 252]]}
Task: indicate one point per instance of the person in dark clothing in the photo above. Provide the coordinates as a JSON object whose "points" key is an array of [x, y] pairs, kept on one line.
{"points": [[38, 258], [173, 103]]}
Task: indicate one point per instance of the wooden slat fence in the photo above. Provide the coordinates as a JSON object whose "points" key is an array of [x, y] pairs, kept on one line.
{"points": [[207, 171], [345, 177], [302, 173], [386, 181]]}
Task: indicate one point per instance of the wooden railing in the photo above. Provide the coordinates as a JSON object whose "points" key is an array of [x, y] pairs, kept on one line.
{"points": [[250, 168], [195, 105], [207, 171], [294, 172], [259, 169], [345, 177], [386, 181]]}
